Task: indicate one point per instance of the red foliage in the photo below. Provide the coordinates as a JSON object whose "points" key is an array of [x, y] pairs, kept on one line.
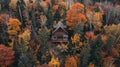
{"points": [[6, 56]]}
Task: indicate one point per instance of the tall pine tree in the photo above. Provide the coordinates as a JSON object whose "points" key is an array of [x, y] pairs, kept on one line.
{"points": [[43, 52]]}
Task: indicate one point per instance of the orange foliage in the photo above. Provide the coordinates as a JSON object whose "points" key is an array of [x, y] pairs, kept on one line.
{"points": [[89, 35], [75, 15], [6, 56], [13, 26], [77, 6]]}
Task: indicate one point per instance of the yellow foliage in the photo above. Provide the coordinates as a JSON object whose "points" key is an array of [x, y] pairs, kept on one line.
{"points": [[13, 26], [25, 35], [97, 19], [80, 44], [112, 29], [63, 4], [54, 62], [76, 38], [97, 16]]}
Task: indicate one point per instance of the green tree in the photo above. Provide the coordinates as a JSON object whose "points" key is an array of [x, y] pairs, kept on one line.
{"points": [[85, 55], [43, 54], [26, 57], [110, 42], [96, 47]]}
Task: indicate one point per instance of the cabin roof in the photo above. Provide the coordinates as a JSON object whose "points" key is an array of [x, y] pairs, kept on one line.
{"points": [[59, 25]]}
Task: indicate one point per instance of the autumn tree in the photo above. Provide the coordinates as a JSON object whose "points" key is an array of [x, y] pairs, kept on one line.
{"points": [[109, 29], [13, 26], [75, 15], [6, 56]]}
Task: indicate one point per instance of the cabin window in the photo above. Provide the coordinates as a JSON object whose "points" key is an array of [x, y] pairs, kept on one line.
{"points": [[54, 37], [65, 37]]}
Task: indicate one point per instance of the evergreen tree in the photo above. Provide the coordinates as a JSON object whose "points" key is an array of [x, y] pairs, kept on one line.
{"points": [[57, 16], [79, 28], [20, 6], [25, 55], [49, 18], [4, 6], [110, 42], [85, 55], [96, 47], [43, 53]]}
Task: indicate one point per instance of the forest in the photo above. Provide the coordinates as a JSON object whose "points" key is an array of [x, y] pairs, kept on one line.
{"points": [[59, 33]]}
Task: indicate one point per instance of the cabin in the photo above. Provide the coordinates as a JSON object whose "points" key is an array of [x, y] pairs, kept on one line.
{"points": [[59, 34]]}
